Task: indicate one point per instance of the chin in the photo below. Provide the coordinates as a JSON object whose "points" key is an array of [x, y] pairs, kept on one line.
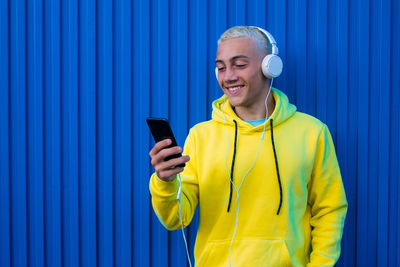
{"points": [[235, 102]]}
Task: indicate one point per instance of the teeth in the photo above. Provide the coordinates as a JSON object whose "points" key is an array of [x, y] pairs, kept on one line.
{"points": [[233, 89]]}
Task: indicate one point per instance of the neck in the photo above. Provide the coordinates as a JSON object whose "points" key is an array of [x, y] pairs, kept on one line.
{"points": [[257, 111]]}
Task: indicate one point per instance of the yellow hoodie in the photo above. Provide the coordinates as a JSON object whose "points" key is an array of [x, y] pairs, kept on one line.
{"points": [[311, 203]]}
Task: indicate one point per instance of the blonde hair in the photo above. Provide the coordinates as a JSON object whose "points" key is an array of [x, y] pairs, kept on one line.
{"points": [[251, 32]]}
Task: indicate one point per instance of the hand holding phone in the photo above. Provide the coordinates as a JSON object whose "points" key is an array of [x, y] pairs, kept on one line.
{"points": [[166, 156]]}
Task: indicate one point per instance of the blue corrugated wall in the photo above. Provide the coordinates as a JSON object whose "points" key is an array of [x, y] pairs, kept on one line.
{"points": [[79, 77]]}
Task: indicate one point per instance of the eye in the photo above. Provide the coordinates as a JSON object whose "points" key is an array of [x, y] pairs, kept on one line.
{"points": [[241, 65], [221, 68]]}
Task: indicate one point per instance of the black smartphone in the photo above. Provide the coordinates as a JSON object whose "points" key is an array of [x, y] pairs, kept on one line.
{"points": [[160, 129]]}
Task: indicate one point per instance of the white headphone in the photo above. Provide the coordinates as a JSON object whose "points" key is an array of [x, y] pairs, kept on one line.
{"points": [[271, 65]]}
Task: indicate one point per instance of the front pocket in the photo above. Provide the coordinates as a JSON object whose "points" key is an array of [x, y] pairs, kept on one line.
{"points": [[246, 252]]}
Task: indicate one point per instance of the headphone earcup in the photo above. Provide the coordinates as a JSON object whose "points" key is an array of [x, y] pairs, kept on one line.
{"points": [[272, 66]]}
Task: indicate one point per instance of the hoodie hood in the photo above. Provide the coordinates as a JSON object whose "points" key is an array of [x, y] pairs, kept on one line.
{"points": [[283, 111]]}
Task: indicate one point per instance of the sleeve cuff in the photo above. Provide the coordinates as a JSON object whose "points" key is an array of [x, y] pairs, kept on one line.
{"points": [[163, 188]]}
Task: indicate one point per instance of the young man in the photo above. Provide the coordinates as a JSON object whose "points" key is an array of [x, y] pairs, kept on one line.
{"points": [[265, 176]]}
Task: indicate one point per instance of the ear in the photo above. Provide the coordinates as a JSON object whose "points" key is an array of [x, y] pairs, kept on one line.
{"points": [[272, 66]]}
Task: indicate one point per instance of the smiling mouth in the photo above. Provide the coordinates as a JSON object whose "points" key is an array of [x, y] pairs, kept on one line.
{"points": [[234, 89]]}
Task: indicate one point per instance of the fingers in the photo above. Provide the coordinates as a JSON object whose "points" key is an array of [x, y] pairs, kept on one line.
{"points": [[169, 174], [166, 170], [159, 146], [171, 164], [160, 156]]}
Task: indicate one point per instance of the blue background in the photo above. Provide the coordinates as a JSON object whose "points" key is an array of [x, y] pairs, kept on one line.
{"points": [[78, 79]]}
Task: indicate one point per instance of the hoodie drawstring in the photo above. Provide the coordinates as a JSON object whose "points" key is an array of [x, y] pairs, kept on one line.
{"points": [[276, 165], [232, 166]]}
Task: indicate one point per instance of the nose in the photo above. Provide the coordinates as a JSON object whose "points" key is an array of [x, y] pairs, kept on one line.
{"points": [[229, 75]]}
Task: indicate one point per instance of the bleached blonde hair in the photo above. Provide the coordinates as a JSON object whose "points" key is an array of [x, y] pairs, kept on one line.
{"points": [[251, 32]]}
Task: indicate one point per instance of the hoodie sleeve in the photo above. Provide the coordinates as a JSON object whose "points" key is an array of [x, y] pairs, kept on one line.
{"points": [[164, 194], [328, 204]]}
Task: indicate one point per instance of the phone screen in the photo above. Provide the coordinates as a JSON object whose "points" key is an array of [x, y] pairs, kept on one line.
{"points": [[161, 129]]}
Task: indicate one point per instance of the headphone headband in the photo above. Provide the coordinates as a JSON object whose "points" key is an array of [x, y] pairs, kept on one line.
{"points": [[270, 38]]}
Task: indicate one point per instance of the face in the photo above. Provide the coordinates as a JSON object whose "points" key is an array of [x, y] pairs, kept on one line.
{"points": [[239, 73]]}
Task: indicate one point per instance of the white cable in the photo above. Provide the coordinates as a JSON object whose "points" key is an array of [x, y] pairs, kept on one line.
{"points": [[237, 202], [266, 106], [178, 197]]}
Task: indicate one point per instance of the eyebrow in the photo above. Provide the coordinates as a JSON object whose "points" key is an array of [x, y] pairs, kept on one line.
{"points": [[232, 59]]}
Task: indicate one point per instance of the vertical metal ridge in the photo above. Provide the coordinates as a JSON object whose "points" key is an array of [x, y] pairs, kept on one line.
{"points": [[52, 155], [35, 130], [132, 210], [363, 129], [131, 108], [27, 166], [79, 130], [383, 132], [394, 246], [70, 131], [62, 176], [113, 132], [5, 179], [114, 18], [122, 130], [18, 133], [43, 137], [86, 131], [97, 130], [96, 143], [343, 31]]}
